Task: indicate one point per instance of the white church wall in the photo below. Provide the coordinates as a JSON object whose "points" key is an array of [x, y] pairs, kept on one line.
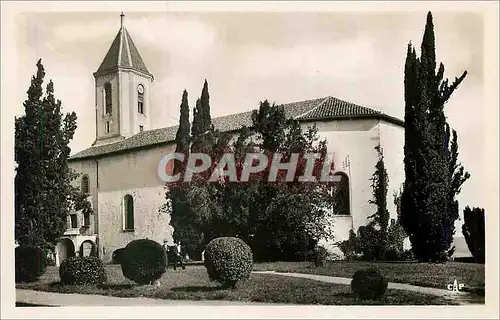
{"points": [[392, 142], [355, 139], [133, 173], [148, 221]]}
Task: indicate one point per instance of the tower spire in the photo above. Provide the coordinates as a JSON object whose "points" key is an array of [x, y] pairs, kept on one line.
{"points": [[121, 19]]}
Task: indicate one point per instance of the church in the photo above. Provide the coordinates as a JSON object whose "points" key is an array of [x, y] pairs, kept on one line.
{"points": [[118, 172]]}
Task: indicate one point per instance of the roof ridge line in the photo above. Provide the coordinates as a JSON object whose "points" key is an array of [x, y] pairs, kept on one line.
{"points": [[303, 114], [129, 54], [119, 58]]}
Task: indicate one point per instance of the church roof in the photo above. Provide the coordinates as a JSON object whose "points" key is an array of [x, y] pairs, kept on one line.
{"points": [[122, 54], [322, 109]]}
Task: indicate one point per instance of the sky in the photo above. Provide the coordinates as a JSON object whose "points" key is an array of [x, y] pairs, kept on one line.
{"points": [[251, 56]]}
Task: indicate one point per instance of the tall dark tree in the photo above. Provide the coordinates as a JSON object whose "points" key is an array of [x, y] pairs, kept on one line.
{"points": [[182, 137], [44, 195], [197, 125], [181, 215], [205, 106], [473, 230], [373, 237], [428, 220], [380, 182], [202, 131]]}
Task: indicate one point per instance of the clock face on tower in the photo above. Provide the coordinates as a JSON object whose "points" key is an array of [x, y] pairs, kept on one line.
{"points": [[140, 89]]}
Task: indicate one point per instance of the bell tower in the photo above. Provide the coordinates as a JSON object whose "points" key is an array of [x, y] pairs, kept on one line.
{"points": [[122, 91]]}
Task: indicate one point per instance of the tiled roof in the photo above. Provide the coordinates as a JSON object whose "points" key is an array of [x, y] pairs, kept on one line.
{"points": [[122, 53], [328, 108], [333, 107]]}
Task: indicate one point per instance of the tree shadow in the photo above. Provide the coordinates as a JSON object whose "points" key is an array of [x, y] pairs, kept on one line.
{"points": [[104, 286], [197, 289], [115, 286], [55, 284]]}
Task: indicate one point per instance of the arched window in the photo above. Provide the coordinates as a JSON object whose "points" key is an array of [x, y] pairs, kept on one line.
{"points": [[128, 204], [107, 94], [85, 184], [140, 99], [341, 196]]}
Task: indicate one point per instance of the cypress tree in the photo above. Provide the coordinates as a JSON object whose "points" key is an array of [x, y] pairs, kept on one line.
{"points": [[44, 195], [182, 218], [205, 107], [196, 127], [380, 181], [427, 219], [202, 131], [182, 137]]}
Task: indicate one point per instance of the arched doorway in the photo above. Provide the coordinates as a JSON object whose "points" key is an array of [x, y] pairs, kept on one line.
{"points": [[88, 248], [65, 249]]}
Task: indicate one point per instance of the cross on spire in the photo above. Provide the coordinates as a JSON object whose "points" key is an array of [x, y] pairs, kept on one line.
{"points": [[121, 19]]}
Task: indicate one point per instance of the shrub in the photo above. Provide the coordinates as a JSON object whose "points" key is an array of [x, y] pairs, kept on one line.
{"points": [[82, 270], [396, 236], [392, 254], [30, 263], [368, 284], [117, 256], [350, 246], [320, 255], [228, 260], [143, 261], [407, 255], [473, 231]]}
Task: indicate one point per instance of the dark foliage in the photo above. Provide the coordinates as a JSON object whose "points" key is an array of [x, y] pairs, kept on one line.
{"points": [[116, 257], [30, 263], [368, 284], [82, 270], [228, 260], [44, 194], [474, 232], [143, 261], [432, 175], [279, 220]]}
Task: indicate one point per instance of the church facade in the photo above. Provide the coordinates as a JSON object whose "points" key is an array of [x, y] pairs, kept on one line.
{"points": [[119, 171]]}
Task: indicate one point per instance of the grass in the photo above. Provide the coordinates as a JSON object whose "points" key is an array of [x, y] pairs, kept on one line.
{"points": [[193, 284], [433, 275]]}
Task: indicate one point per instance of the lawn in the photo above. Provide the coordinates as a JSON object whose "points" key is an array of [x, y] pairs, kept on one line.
{"points": [[434, 275], [193, 284]]}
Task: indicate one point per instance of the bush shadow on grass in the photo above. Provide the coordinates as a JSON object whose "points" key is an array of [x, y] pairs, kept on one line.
{"points": [[115, 286], [55, 284], [192, 289], [104, 286]]}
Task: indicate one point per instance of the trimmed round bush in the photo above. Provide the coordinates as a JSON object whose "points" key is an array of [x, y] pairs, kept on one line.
{"points": [[82, 270], [228, 260], [368, 284], [117, 256], [30, 263], [143, 261]]}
